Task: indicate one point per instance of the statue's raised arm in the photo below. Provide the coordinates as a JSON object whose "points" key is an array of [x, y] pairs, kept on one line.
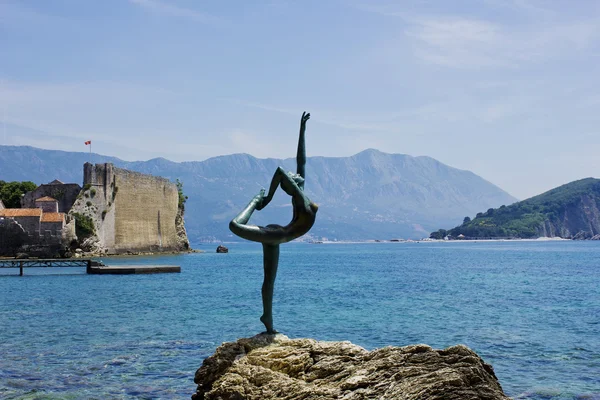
{"points": [[301, 155]]}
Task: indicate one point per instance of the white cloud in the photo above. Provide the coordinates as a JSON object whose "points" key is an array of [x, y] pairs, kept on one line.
{"points": [[533, 33], [534, 8], [474, 43], [164, 8]]}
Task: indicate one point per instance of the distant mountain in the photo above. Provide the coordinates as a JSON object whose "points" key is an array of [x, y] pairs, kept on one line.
{"points": [[568, 211], [370, 195]]}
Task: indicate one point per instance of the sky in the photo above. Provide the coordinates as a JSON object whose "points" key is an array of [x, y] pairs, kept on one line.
{"points": [[508, 89]]}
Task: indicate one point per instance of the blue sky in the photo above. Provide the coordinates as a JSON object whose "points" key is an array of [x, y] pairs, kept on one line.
{"points": [[508, 89]]}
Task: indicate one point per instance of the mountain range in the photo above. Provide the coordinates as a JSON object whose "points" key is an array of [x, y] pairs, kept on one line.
{"points": [[370, 195]]}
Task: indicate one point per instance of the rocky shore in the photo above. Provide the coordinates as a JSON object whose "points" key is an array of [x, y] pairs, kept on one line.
{"points": [[275, 367], [84, 254]]}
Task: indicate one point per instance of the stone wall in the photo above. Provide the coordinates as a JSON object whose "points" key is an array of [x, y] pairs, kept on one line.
{"points": [[30, 224], [54, 227], [145, 212], [12, 237], [64, 193], [47, 206], [132, 212]]}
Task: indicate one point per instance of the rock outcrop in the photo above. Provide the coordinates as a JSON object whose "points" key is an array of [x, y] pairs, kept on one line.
{"points": [[183, 242], [275, 367]]}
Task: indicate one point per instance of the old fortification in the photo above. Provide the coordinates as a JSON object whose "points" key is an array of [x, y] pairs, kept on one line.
{"points": [[129, 211]]}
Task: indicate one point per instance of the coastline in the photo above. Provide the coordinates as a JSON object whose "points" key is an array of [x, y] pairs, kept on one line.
{"points": [[401, 241], [137, 254]]}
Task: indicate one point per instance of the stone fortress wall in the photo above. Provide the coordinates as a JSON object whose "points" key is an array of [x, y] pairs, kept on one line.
{"points": [[132, 212]]}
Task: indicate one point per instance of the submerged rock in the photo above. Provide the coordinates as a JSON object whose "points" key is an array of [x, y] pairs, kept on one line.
{"points": [[275, 367]]}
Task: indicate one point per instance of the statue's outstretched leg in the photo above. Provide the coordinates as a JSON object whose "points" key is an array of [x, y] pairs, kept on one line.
{"points": [[270, 263]]}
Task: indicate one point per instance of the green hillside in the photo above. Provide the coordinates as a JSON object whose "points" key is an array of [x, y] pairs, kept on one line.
{"points": [[565, 211]]}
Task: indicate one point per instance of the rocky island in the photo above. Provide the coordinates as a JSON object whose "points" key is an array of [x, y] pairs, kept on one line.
{"points": [[269, 367]]}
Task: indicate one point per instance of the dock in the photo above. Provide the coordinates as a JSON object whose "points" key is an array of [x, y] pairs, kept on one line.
{"points": [[93, 267], [132, 269]]}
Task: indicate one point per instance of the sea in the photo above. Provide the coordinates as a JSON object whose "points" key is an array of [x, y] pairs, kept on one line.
{"points": [[530, 309]]}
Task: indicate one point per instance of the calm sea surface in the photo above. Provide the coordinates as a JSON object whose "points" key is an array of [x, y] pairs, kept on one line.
{"points": [[530, 309]]}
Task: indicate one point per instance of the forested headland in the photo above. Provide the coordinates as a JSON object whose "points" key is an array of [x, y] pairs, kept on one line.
{"points": [[567, 211]]}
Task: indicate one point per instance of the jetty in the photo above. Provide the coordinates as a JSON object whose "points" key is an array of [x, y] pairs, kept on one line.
{"points": [[91, 266], [132, 269]]}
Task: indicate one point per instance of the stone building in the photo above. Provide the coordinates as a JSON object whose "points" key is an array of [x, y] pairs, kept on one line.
{"points": [[35, 222], [29, 218], [47, 203], [53, 222], [64, 193], [33, 231]]}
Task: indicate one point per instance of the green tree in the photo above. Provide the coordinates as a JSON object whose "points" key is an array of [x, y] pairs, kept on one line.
{"points": [[11, 192], [466, 220], [438, 234], [84, 226], [182, 198]]}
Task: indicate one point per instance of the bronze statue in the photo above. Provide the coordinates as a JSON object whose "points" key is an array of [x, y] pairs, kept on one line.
{"points": [[271, 236]]}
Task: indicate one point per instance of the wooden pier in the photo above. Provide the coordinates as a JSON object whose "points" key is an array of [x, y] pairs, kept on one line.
{"points": [[133, 269], [91, 266]]}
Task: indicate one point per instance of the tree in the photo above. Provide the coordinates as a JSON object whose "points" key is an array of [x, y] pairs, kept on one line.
{"points": [[182, 198], [11, 192], [438, 234], [84, 226], [466, 220]]}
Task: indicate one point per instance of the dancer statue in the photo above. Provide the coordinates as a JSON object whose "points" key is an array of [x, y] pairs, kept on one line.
{"points": [[271, 236]]}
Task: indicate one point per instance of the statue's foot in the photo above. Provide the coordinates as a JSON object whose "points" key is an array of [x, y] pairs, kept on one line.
{"points": [[268, 324]]}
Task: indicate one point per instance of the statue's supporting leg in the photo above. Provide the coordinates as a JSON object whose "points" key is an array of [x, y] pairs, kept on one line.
{"points": [[270, 263]]}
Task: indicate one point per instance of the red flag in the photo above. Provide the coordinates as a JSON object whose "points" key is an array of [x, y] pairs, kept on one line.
{"points": [[88, 142]]}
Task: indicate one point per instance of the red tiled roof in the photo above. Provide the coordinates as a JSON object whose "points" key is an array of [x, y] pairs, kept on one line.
{"points": [[53, 217], [45, 198], [21, 212]]}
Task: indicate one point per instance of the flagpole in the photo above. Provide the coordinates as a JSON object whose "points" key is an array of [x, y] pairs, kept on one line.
{"points": [[89, 143]]}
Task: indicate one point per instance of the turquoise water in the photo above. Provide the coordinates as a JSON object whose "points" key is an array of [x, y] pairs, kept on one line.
{"points": [[532, 310]]}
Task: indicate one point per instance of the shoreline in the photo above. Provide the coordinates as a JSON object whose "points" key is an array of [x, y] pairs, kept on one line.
{"points": [[405, 241], [402, 241]]}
